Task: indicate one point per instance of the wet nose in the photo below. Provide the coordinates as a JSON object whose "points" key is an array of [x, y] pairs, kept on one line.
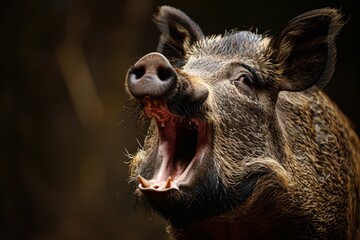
{"points": [[151, 76]]}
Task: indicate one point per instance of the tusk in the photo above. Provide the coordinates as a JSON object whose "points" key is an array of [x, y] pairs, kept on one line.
{"points": [[145, 183], [168, 183]]}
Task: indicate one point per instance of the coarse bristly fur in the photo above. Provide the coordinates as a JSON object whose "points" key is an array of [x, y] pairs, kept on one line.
{"points": [[282, 161]]}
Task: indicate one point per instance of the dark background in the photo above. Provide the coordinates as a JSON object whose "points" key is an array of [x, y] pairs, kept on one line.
{"points": [[64, 131]]}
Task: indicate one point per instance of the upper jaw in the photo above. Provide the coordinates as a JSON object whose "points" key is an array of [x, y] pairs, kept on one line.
{"points": [[183, 145]]}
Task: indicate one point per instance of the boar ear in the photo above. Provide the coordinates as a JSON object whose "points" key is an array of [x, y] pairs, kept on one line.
{"points": [[305, 50], [177, 32]]}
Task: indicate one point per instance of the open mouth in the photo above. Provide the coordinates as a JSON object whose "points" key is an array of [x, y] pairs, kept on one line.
{"points": [[183, 142]]}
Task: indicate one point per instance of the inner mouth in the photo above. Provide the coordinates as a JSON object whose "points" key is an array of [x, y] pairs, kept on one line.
{"points": [[185, 146], [182, 145]]}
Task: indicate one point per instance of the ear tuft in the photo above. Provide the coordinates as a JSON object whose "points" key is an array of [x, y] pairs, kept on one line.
{"points": [[177, 32], [305, 49]]}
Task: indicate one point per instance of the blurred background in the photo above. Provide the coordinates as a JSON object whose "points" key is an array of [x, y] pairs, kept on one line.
{"points": [[64, 131]]}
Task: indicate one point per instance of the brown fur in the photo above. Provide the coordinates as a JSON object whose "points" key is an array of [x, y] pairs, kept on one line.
{"points": [[283, 162]]}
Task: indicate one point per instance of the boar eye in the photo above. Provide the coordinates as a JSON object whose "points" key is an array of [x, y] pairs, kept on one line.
{"points": [[244, 78]]}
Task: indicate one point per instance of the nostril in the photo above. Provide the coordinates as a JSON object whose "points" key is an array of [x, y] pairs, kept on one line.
{"points": [[164, 73], [152, 76], [138, 71]]}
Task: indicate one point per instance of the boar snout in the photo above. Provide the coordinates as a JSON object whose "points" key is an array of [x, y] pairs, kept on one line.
{"points": [[151, 76]]}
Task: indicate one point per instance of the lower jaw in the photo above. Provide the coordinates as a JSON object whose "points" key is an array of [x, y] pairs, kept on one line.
{"points": [[186, 204], [170, 175], [163, 181]]}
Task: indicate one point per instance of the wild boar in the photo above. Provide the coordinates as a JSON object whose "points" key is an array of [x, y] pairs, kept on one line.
{"points": [[242, 142]]}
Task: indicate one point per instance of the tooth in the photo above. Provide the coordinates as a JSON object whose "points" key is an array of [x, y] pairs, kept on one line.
{"points": [[157, 116], [145, 183], [163, 124], [156, 102], [168, 183], [147, 101]]}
